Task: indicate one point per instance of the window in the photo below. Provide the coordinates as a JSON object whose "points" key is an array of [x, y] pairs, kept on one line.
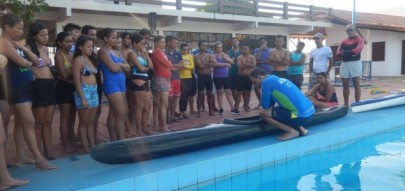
{"points": [[378, 51]]}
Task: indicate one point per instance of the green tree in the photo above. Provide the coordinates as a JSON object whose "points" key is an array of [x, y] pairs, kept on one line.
{"points": [[25, 8]]}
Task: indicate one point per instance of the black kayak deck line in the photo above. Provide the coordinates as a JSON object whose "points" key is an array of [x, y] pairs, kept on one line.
{"points": [[168, 144]]}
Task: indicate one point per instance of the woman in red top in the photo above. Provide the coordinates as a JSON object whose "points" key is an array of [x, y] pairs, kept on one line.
{"points": [[162, 66]]}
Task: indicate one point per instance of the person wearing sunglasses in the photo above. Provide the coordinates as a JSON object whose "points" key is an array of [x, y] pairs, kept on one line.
{"points": [[351, 68]]}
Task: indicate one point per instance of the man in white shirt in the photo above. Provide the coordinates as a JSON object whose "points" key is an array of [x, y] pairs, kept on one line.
{"points": [[321, 59]]}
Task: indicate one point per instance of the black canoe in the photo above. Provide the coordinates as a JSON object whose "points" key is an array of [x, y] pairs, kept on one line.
{"points": [[167, 144]]}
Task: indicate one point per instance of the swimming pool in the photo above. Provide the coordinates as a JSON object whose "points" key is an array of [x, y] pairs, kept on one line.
{"points": [[193, 170], [373, 163]]}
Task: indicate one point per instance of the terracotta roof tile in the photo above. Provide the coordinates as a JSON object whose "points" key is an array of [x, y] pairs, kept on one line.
{"points": [[370, 20]]}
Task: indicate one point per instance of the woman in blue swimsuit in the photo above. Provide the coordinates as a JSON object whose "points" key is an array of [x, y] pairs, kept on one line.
{"points": [[113, 67]]}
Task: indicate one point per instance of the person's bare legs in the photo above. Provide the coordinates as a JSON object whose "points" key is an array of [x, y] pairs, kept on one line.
{"points": [[191, 103], [219, 98], [95, 124], [174, 107], [19, 141], [43, 119], [229, 98], [23, 113], [119, 105], [5, 114], [65, 117], [71, 127], [84, 123], [6, 181], [258, 95], [290, 132], [130, 120], [170, 109], [318, 104], [200, 100], [346, 90], [110, 123], [210, 103], [238, 99], [47, 131], [357, 88], [139, 106], [246, 100], [146, 114], [163, 104], [155, 112]]}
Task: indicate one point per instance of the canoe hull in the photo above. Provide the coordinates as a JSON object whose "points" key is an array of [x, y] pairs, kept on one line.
{"points": [[167, 144], [379, 103]]}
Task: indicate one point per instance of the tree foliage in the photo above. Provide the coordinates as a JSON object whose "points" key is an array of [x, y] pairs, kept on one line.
{"points": [[26, 8]]}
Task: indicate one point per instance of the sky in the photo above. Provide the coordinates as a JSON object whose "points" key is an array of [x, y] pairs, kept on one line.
{"points": [[371, 6]]}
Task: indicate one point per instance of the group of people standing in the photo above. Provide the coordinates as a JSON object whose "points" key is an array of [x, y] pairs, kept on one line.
{"points": [[135, 83]]}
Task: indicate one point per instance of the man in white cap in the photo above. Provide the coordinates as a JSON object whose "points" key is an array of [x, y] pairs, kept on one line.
{"points": [[321, 60], [349, 50]]}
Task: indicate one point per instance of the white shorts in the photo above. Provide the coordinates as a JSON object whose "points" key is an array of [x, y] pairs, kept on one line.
{"points": [[351, 69]]}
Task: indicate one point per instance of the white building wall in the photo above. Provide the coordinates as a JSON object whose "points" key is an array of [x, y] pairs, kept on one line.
{"points": [[393, 48], [393, 52]]}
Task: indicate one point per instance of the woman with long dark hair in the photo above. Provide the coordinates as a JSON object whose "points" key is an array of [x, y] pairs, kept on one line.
{"points": [[44, 101], [86, 97], [140, 63], [65, 89], [113, 66], [21, 83]]}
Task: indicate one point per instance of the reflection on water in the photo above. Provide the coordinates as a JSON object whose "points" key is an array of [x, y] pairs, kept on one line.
{"points": [[375, 163]]}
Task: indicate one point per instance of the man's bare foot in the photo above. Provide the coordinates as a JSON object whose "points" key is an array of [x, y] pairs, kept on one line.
{"points": [[193, 112], [6, 184], [211, 113], [303, 131], [45, 165], [288, 135], [203, 109], [215, 109]]}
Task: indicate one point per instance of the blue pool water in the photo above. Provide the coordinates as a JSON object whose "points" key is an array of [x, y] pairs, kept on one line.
{"points": [[374, 163]]}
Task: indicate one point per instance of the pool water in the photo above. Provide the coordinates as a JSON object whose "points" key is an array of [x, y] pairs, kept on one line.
{"points": [[373, 163]]}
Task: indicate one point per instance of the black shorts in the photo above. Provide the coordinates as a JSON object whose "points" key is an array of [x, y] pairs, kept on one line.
{"points": [[244, 83], [44, 93], [135, 87], [222, 83], [284, 116], [21, 93], [281, 74], [297, 79], [186, 86], [64, 92], [234, 81], [204, 82]]}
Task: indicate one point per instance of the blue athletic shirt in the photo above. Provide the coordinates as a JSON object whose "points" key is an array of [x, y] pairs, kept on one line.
{"points": [[286, 95]]}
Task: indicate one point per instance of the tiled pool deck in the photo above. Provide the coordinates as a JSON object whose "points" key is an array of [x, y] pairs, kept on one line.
{"points": [[187, 170]]}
